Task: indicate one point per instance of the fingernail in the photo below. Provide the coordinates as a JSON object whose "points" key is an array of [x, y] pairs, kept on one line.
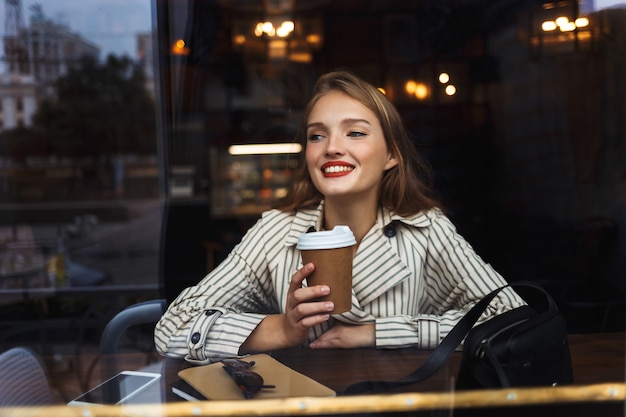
{"points": [[329, 305], [325, 289]]}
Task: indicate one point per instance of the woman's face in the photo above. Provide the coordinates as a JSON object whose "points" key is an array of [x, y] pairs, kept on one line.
{"points": [[346, 152]]}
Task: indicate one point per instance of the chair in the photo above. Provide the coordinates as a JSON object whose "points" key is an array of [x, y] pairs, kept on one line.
{"points": [[147, 312], [183, 237], [23, 379]]}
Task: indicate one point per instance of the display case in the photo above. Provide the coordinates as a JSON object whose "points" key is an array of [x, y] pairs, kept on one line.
{"points": [[248, 184]]}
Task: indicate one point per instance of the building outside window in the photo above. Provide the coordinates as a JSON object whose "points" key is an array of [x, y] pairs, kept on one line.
{"points": [[79, 169]]}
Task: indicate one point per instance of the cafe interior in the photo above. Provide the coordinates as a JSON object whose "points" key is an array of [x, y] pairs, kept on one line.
{"points": [[517, 105]]}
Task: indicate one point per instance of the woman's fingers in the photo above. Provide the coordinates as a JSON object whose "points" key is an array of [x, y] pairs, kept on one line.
{"points": [[301, 274], [302, 309], [343, 335], [300, 294]]}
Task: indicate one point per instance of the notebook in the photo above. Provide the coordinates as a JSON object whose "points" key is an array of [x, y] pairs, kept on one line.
{"points": [[182, 389], [214, 383]]}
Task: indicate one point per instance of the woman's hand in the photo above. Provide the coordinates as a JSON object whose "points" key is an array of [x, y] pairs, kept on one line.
{"points": [[301, 312], [343, 335], [290, 329]]}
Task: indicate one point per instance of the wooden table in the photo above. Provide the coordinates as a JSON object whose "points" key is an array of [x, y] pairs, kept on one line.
{"points": [[596, 358], [599, 388]]}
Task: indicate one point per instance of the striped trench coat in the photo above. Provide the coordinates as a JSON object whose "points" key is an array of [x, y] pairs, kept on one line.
{"points": [[414, 277]]}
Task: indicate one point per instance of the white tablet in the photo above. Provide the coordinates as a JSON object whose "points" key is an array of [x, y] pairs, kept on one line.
{"points": [[118, 389]]}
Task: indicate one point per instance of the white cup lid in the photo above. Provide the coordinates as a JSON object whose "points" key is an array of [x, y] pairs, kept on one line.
{"points": [[339, 237]]}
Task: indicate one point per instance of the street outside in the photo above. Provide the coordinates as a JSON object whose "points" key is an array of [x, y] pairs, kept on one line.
{"points": [[127, 251]]}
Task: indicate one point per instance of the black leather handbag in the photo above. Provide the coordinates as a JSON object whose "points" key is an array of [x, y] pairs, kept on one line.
{"points": [[521, 347]]}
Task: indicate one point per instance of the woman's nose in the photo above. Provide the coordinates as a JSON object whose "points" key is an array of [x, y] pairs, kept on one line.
{"points": [[333, 146]]}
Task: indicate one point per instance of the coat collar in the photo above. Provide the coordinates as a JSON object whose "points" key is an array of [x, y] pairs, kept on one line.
{"points": [[310, 219], [304, 221]]}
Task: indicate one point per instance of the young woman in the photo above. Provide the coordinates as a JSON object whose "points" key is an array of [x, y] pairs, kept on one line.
{"points": [[414, 276]]}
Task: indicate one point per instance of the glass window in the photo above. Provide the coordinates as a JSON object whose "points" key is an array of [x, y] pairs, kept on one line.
{"points": [[140, 139], [514, 107], [80, 197]]}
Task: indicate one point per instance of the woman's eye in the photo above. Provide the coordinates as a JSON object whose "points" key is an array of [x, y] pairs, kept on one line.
{"points": [[315, 137], [356, 134]]}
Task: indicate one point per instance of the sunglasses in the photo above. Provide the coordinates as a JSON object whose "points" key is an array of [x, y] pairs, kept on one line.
{"points": [[249, 382]]}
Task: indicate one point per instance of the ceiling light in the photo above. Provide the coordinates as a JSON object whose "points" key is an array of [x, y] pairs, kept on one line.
{"points": [[264, 148]]}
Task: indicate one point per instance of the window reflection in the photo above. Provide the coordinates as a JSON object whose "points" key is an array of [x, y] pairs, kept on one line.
{"points": [[515, 119], [113, 124], [79, 169]]}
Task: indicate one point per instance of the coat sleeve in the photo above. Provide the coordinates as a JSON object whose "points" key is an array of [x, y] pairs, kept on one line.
{"points": [[210, 321], [455, 279]]}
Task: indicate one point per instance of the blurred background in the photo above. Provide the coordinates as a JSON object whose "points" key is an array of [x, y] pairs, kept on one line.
{"points": [[127, 171]]}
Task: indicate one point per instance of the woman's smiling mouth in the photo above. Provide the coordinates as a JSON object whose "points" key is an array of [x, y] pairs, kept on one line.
{"points": [[335, 169]]}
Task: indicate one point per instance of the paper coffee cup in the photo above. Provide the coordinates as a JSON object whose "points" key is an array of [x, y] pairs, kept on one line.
{"points": [[331, 251]]}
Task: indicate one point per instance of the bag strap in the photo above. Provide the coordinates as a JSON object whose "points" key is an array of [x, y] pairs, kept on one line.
{"points": [[447, 346], [493, 360]]}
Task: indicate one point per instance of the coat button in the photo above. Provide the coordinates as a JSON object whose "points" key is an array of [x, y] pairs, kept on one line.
{"points": [[195, 338], [389, 231], [210, 312]]}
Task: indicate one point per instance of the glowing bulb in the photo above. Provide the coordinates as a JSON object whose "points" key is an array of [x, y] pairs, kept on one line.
{"points": [[179, 47], [450, 90], [548, 26], [421, 91], [314, 39], [410, 86], [258, 30], [582, 22], [444, 77], [285, 29], [560, 21], [288, 25]]}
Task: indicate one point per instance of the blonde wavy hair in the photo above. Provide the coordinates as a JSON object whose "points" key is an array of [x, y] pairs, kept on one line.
{"points": [[406, 188]]}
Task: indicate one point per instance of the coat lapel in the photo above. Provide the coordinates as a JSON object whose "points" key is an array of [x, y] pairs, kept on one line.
{"points": [[376, 268]]}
